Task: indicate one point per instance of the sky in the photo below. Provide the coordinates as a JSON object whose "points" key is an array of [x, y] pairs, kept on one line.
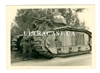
{"points": [[87, 15]]}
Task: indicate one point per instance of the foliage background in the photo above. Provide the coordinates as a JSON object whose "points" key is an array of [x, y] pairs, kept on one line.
{"points": [[23, 18]]}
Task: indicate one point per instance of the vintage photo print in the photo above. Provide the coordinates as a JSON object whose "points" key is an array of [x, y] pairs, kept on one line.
{"points": [[50, 36]]}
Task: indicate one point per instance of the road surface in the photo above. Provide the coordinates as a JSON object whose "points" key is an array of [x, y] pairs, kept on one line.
{"points": [[80, 60]]}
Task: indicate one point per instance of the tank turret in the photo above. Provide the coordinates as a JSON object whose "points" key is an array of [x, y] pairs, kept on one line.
{"points": [[58, 18]]}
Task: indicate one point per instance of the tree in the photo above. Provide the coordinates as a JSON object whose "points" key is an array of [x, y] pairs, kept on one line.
{"points": [[24, 20]]}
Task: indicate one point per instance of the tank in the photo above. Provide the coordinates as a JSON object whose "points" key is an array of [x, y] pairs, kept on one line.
{"points": [[62, 41]]}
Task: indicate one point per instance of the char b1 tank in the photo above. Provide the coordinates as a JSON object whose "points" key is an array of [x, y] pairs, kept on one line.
{"points": [[61, 40]]}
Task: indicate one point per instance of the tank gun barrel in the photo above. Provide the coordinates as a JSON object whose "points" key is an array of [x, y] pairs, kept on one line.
{"points": [[40, 19]]}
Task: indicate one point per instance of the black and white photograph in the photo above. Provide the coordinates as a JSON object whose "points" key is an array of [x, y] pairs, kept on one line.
{"points": [[50, 35]]}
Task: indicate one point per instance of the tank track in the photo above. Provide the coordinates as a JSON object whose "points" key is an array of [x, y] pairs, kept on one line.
{"points": [[46, 54], [72, 54]]}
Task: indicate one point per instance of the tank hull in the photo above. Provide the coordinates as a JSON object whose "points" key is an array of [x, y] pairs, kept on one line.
{"points": [[63, 46], [66, 45]]}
